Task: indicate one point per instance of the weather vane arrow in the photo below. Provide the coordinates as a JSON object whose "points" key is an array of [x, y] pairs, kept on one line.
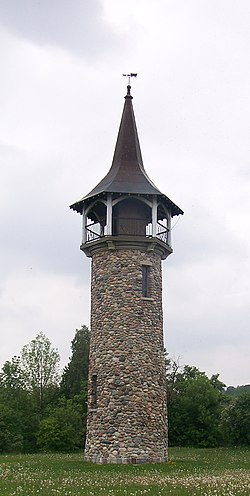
{"points": [[132, 74]]}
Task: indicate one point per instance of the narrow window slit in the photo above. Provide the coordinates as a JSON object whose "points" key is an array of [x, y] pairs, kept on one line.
{"points": [[94, 391], [145, 281]]}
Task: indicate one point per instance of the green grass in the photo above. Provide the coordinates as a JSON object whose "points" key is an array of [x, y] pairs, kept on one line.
{"points": [[206, 472]]}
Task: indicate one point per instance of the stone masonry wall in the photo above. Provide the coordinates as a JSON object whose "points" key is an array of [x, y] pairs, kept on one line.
{"points": [[127, 399]]}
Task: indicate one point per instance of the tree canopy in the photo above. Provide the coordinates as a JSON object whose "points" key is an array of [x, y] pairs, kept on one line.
{"points": [[40, 366], [75, 374], [41, 411]]}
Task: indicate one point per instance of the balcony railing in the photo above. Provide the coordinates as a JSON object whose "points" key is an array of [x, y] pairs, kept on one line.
{"points": [[129, 227], [94, 232], [163, 233]]}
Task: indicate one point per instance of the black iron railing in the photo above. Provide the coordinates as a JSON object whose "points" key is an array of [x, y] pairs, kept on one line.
{"points": [[94, 232], [130, 227], [162, 233]]}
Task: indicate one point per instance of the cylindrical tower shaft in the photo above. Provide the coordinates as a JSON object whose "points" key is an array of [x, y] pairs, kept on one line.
{"points": [[127, 419]]}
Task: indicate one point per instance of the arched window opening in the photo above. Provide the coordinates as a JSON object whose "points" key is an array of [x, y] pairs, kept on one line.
{"points": [[96, 221], [130, 218]]}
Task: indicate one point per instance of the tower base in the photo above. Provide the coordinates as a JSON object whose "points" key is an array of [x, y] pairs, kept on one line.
{"points": [[125, 459]]}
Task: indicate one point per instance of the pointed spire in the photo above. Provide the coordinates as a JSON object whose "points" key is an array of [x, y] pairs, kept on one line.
{"points": [[127, 147], [127, 173]]}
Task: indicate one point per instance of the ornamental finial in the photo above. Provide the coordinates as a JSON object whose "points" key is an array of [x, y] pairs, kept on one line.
{"points": [[130, 75]]}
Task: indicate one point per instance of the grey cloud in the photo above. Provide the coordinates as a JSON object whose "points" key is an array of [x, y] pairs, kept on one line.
{"points": [[200, 235], [37, 229], [75, 25]]}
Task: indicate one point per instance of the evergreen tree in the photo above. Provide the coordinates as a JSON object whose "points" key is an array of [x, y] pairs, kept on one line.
{"points": [[75, 374], [75, 379]]}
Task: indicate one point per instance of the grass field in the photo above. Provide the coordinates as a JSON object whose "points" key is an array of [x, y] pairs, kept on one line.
{"points": [[206, 472]]}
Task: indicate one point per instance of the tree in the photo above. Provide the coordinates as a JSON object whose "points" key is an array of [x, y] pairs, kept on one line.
{"points": [[11, 438], [39, 363], [18, 412], [75, 374], [172, 373], [62, 428], [194, 409], [238, 391], [11, 375], [217, 384], [239, 420]]}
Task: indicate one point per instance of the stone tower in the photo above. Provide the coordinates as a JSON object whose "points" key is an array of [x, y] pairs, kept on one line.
{"points": [[127, 233]]}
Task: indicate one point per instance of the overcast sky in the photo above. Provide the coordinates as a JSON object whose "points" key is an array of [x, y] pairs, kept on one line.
{"points": [[61, 99]]}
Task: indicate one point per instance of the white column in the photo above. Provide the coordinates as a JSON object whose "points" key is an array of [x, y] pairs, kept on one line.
{"points": [[109, 215], [84, 222], [169, 227], [154, 217]]}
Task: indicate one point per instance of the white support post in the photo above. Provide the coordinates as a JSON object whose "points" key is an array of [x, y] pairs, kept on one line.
{"points": [[169, 227], [109, 215], [84, 222], [154, 217]]}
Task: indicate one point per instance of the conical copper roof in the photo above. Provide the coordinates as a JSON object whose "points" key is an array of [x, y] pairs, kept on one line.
{"points": [[127, 174]]}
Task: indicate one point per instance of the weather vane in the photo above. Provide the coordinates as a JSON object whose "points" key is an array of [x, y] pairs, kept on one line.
{"points": [[132, 74]]}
